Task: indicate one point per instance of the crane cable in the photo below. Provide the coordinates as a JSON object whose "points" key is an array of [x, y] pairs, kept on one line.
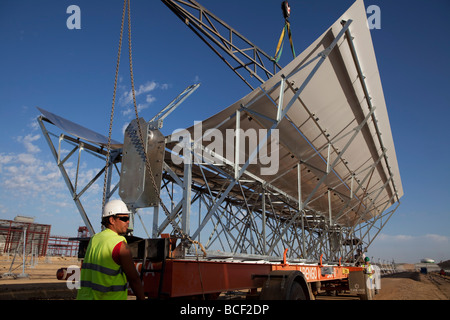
{"points": [[108, 148], [147, 162]]}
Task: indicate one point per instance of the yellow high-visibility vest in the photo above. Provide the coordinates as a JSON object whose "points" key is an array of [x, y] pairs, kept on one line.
{"points": [[369, 270], [102, 278]]}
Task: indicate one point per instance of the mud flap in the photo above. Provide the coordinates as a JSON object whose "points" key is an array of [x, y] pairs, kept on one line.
{"points": [[357, 282]]}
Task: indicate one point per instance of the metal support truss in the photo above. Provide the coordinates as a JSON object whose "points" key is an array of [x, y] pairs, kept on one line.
{"points": [[72, 183], [245, 215], [235, 213], [242, 56], [157, 121]]}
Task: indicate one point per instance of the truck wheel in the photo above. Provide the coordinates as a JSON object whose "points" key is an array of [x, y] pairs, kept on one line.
{"points": [[296, 292], [286, 285]]}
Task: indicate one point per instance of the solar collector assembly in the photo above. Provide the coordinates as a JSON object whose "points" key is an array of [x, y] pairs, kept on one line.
{"points": [[336, 181], [335, 130]]}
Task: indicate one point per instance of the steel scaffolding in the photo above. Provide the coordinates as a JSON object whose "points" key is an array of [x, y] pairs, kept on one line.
{"points": [[62, 246], [11, 237]]}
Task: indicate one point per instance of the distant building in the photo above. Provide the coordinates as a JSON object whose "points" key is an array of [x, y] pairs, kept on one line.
{"points": [[38, 240], [12, 233], [427, 265]]}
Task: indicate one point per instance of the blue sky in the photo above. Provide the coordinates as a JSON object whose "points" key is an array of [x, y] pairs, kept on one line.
{"points": [[71, 73]]}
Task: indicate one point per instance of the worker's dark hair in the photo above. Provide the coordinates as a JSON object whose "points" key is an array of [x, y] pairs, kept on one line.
{"points": [[105, 221]]}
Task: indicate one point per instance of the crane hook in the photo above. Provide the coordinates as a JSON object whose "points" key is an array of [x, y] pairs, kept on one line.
{"points": [[286, 9]]}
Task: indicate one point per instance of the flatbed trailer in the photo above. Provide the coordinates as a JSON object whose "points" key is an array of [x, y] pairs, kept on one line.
{"points": [[165, 276]]}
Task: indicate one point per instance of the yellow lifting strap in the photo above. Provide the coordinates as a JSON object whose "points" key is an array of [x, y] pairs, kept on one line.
{"points": [[286, 28]]}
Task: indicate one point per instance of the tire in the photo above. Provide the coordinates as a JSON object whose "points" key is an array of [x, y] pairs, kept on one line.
{"points": [[296, 292], [285, 285]]}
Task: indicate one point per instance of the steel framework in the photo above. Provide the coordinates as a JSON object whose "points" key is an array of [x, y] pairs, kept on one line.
{"points": [[243, 57], [12, 233], [219, 37], [331, 212], [62, 246]]}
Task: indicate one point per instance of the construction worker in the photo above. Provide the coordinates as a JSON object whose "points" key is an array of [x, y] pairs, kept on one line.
{"points": [[359, 257], [108, 265], [369, 270]]}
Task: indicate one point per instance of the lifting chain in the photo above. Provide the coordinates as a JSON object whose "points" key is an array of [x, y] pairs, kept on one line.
{"points": [[177, 230], [108, 149]]}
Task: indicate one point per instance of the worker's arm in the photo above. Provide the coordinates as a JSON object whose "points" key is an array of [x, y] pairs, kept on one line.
{"points": [[129, 268]]}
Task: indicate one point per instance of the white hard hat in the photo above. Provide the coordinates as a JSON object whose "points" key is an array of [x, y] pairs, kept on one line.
{"points": [[114, 207]]}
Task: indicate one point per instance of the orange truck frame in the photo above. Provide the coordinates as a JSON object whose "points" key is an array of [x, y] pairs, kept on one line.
{"points": [[165, 276]]}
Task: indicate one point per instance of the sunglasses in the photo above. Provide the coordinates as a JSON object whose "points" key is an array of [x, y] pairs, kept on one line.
{"points": [[124, 219]]}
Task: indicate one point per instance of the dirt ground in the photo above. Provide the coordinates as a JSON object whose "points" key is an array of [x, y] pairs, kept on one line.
{"points": [[42, 283], [412, 285]]}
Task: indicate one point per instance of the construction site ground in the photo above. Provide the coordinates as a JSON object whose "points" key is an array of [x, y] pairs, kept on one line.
{"points": [[42, 283]]}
